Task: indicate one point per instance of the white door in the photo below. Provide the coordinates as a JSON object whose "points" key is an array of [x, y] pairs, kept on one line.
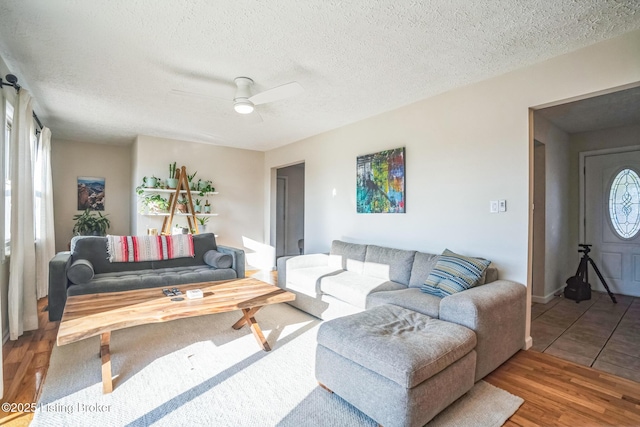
{"points": [[612, 219]]}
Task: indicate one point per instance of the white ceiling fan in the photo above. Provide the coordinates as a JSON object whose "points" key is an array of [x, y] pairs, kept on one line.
{"points": [[244, 101]]}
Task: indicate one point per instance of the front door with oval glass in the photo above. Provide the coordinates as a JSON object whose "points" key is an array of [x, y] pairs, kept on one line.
{"points": [[612, 219]]}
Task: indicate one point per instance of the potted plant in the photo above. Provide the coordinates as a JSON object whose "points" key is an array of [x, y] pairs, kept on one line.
{"points": [[181, 204], [154, 203], [192, 185], [203, 223], [88, 224], [172, 181], [150, 181], [205, 188], [207, 207], [197, 207]]}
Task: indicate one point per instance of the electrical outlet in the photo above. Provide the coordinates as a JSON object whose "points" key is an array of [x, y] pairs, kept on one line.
{"points": [[493, 206], [502, 205]]}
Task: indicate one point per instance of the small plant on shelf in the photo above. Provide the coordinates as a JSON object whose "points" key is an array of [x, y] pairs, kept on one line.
{"points": [[206, 187], [203, 223], [192, 185], [181, 204], [148, 182], [197, 207], [154, 203], [207, 207], [88, 224], [172, 181]]}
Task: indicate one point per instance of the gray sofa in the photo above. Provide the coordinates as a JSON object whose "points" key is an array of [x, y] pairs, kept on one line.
{"points": [[356, 277], [90, 253]]}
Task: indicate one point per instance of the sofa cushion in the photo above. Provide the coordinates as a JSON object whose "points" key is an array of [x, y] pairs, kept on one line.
{"points": [[307, 280], [353, 288], [410, 298], [390, 341], [80, 272], [162, 277], [454, 273], [388, 263], [347, 256], [422, 265], [217, 259]]}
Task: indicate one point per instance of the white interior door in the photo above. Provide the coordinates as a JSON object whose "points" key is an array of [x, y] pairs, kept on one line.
{"points": [[612, 219]]}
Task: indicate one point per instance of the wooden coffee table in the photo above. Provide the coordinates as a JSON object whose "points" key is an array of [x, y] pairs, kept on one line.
{"points": [[99, 314]]}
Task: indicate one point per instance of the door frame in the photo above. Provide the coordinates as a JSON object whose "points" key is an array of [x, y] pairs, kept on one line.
{"points": [[582, 170]]}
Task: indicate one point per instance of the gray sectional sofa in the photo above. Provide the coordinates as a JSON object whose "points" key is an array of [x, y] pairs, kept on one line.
{"points": [[89, 258], [355, 277]]}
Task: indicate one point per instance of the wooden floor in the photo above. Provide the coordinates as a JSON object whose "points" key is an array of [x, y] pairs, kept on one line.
{"points": [[556, 392]]}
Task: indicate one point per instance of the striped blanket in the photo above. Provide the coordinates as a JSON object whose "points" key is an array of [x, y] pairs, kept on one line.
{"points": [[149, 248]]}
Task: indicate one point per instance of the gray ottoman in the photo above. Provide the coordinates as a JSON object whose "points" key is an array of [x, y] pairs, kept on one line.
{"points": [[399, 367]]}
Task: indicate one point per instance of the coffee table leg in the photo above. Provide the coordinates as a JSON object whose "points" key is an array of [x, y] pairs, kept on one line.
{"points": [[107, 381], [247, 318]]}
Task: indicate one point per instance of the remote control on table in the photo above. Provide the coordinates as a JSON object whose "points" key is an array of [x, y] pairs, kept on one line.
{"points": [[176, 291], [168, 293]]}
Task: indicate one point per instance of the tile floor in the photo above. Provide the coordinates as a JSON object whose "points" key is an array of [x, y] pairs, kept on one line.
{"points": [[595, 332]]}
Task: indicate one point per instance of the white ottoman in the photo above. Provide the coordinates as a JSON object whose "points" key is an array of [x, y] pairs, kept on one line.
{"points": [[399, 367]]}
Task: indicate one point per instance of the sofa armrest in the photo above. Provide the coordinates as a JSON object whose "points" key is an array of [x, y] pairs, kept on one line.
{"points": [[58, 284], [298, 261], [496, 312], [238, 259]]}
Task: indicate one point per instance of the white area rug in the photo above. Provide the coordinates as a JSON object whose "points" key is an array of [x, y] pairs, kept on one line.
{"points": [[200, 371]]}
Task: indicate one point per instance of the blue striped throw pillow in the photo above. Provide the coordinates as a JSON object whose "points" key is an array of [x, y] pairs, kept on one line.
{"points": [[454, 273]]}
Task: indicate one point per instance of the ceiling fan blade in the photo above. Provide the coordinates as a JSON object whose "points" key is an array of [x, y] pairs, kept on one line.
{"points": [[277, 93]]}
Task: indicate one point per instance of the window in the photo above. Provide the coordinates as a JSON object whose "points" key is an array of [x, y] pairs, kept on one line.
{"points": [[7, 177], [624, 203]]}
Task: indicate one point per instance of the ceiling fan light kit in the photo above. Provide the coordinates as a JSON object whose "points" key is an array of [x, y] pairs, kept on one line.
{"points": [[243, 106]]}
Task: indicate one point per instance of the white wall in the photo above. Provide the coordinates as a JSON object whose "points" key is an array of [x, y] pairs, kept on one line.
{"points": [[236, 175], [559, 248], [69, 160], [463, 148]]}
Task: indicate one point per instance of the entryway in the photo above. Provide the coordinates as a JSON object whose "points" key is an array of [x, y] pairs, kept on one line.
{"points": [[290, 210]]}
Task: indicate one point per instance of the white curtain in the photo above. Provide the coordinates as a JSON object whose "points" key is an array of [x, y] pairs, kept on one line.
{"points": [[45, 237], [23, 315]]}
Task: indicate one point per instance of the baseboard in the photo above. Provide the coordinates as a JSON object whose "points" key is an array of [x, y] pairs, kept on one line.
{"points": [[545, 299], [528, 343]]}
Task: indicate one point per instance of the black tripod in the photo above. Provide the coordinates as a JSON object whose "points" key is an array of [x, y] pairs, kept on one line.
{"points": [[583, 269]]}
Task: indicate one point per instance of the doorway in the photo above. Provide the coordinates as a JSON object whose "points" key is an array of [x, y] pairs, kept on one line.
{"points": [[290, 210], [610, 203], [539, 218]]}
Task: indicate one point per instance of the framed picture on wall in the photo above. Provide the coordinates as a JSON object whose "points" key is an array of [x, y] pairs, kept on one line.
{"points": [[91, 193], [380, 182]]}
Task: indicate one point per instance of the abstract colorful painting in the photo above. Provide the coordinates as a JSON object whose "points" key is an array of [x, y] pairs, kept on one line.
{"points": [[380, 186]]}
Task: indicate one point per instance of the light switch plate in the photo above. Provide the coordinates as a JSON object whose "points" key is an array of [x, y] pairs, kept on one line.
{"points": [[493, 206], [502, 205]]}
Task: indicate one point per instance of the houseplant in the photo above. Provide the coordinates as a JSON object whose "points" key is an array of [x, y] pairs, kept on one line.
{"points": [[205, 187], [196, 206], [203, 223], [192, 185], [181, 204], [88, 224], [172, 181], [154, 203], [207, 207]]}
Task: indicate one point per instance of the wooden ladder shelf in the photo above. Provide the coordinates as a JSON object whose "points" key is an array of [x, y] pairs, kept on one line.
{"points": [[183, 184]]}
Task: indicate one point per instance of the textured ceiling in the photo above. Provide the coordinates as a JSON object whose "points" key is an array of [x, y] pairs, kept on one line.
{"points": [[617, 109], [110, 70]]}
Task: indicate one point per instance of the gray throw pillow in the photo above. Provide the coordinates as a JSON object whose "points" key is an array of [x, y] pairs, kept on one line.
{"points": [[217, 259], [80, 272]]}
